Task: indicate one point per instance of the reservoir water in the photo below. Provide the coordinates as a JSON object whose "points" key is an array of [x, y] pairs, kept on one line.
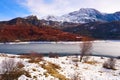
{"points": [[110, 48]]}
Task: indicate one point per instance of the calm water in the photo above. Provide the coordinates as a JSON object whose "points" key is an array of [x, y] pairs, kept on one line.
{"points": [[111, 48]]}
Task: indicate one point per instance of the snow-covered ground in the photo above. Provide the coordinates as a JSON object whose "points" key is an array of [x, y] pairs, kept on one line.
{"points": [[70, 68]]}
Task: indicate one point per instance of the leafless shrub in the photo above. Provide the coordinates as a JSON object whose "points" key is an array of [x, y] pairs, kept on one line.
{"points": [[118, 57], [76, 76], [102, 57], [11, 70], [20, 65], [35, 55], [53, 55], [24, 56], [86, 47], [8, 65], [3, 55], [12, 56], [109, 64]]}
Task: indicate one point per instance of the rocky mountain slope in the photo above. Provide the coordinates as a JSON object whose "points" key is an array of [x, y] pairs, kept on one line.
{"points": [[99, 30]]}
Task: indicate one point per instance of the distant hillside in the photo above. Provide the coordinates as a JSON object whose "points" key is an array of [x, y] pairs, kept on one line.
{"points": [[32, 29], [98, 30]]}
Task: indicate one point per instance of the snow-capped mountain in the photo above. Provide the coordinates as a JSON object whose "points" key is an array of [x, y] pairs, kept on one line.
{"points": [[85, 15]]}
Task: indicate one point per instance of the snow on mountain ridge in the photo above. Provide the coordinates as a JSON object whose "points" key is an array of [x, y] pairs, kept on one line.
{"points": [[85, 15]]}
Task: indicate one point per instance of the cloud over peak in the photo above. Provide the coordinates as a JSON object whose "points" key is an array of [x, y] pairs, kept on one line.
{"points": [[59, 7]]}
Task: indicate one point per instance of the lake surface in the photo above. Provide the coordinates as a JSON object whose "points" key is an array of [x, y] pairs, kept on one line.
{"points": [[111, 48]]}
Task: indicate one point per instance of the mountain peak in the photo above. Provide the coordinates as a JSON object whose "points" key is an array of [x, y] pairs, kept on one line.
{"points": [[49, 17], [17, 20], [31, 17], [88, 10]]}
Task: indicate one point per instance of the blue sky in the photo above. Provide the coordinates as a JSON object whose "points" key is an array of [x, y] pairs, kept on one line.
{"points": [[20, 8], [11, 9]]}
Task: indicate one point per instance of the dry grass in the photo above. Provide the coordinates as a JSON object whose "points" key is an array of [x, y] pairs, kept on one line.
{"points": [[91, 62], [31, 55], [52, 70], [34, 60], [34, 69], [46, 74], [100, 71], [55, 66]]}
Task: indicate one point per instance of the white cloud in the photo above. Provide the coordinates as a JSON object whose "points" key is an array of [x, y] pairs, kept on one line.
{"points": [[59, 7]]}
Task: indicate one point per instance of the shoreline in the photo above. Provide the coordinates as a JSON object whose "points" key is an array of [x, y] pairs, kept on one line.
{"points": [[54, 42], [63, 54]]}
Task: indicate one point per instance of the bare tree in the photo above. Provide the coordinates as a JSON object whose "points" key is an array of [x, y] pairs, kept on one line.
{"points": [[86, 47]]}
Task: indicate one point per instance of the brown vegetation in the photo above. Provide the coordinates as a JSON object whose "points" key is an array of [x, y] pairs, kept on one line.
{"points": [[52, 70], [33, 57], [23, 32]]}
